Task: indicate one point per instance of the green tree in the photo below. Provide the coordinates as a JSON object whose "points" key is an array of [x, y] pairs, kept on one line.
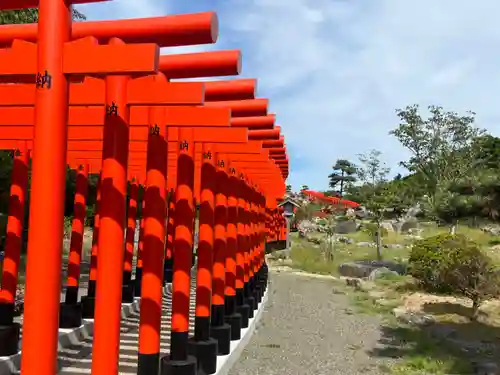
{"points": [[343, 174], [301, 194], [443, 150], [288, 188], [8, 17], [441, 145], [371, 169], [479, 194], [382, 200], [487, 152]]}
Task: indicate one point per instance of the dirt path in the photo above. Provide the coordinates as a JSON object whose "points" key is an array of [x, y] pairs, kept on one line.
{"points": [[308, 329]]}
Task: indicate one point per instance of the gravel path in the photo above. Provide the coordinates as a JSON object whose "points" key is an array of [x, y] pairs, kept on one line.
{"points": [[305, 330]]}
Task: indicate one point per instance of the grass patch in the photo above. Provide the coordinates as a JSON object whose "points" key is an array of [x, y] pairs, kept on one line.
{"points": [[420, 353], [310, 257], [417, 350]]}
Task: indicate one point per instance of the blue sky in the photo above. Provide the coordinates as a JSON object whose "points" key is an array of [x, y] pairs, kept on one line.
{"points": [[336, 70]]}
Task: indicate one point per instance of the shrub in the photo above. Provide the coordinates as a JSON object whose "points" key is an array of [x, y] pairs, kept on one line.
{"points": [[371, 230], [454, 265]]}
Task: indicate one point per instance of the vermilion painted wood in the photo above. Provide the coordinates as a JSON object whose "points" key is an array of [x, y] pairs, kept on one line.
{"points": [[225, 90], [20, 59], [209, 135], [100, 369], [57, 56], [147, 90], [93, 115], [276, 150], [260, 122], [168, 31], [252, 146], [254, 149], [201, 64], [175, 116], [237, 94], [243, 108], [272, 134], [192, 65], [274, 143]]}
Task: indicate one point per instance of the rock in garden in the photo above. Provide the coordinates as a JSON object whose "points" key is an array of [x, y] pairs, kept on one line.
{"points": [[393, 266], [387, 225], [415, 231], [379, 273], [355, 283], [361, 212], [409, 224], [346, 227], [413, 317], [365, 244], [492, 230], [486, 368], [363, 269], [346, 240], [393, 246], [354, 270]]}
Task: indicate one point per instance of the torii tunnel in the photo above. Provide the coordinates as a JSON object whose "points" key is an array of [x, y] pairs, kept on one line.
{"points": [[339, 202], [171, 158]]}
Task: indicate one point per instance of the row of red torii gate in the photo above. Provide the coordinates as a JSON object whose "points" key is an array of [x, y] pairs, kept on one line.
{"points": [[99, 97]]}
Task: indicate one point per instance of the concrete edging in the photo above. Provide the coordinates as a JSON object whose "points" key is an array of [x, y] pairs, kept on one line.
{"points": [[67, 337], [225, 363]]}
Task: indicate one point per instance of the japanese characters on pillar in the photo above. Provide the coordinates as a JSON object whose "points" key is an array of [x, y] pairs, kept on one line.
{"points": [[202, 346], [219, 329], [233, 318], [154, 244], [112, 224], [242, 307], [183, 249], [251, 237]]}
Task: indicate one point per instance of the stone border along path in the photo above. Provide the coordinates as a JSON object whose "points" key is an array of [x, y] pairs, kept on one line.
{"points": [[71, 337], [77, 359], [75, 345], [67, 337]]}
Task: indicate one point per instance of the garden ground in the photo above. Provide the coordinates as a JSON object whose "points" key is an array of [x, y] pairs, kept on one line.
{"points": [[418, 333]]}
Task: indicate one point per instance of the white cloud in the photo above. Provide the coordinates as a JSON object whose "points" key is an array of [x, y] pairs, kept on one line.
{"points": [[335, 71]]}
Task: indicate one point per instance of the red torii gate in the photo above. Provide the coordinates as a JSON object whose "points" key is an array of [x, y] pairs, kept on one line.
{"points": [[35, 127], [49, 145]]}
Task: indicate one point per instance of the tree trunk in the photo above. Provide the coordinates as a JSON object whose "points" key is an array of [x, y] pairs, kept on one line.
{"points": [[342, 184], [475, 308], [453, 228], [379, 242]]}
